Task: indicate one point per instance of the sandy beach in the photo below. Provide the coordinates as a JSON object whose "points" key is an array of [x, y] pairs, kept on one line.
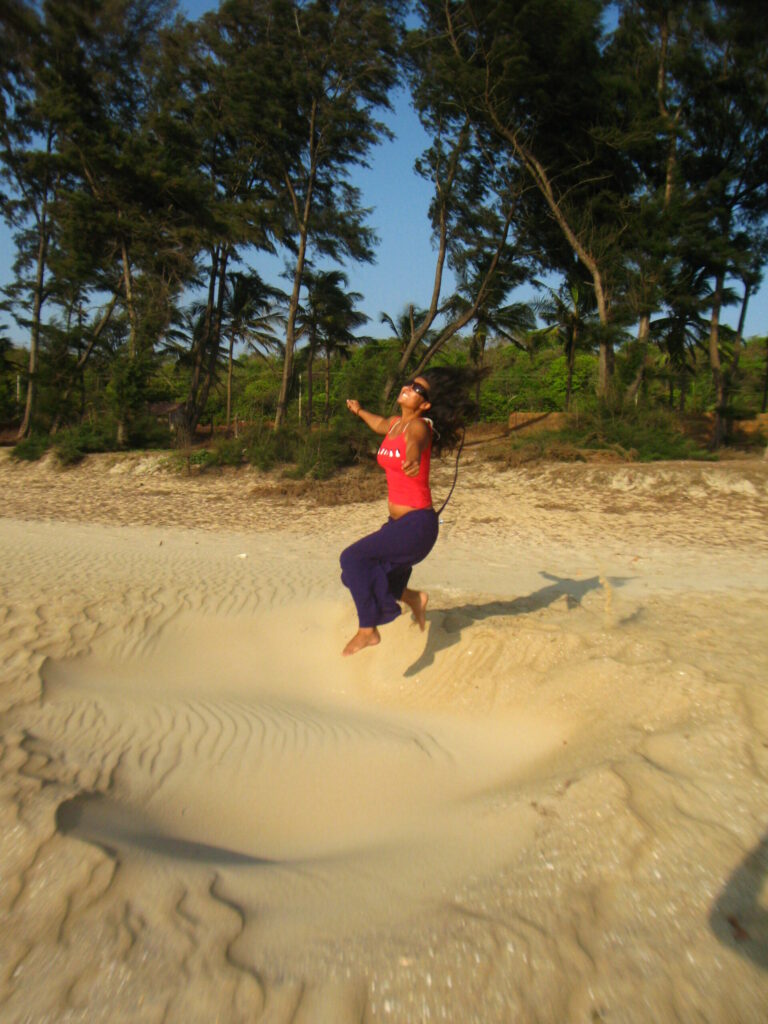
{"points": [[549, 807]]}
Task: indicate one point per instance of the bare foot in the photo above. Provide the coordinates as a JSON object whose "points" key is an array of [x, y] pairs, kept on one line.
{"points": [[417, 602], [364, 637]]}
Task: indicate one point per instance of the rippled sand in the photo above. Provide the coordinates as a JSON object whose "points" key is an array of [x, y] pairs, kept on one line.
{"points": [[552, 806]]}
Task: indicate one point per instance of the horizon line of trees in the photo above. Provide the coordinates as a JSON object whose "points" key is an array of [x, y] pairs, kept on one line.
{"points": [[620, 147]]}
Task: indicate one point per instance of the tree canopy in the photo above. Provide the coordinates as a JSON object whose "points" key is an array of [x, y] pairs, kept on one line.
{"points": [[144, 158]]}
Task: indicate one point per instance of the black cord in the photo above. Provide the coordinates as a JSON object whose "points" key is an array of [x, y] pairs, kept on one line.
{"points": [[455, 475]]}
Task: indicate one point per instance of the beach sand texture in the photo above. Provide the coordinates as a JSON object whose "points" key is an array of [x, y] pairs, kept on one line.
{"points": [[552, 806]]}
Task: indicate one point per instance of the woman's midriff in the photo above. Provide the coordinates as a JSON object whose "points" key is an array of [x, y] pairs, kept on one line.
{"points": [[398, 511]]}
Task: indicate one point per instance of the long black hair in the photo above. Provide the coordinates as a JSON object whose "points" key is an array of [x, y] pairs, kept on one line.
{"points": [[452, 405]]}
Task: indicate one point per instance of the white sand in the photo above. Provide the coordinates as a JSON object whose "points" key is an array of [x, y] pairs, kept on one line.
{"points": [[551, 807]]}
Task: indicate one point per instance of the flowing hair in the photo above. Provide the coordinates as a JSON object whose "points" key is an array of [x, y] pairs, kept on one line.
{"points": [[452, 406]]}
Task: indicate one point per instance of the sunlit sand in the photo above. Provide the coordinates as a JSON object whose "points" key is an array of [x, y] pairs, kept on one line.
{"points": [[550, 805]]}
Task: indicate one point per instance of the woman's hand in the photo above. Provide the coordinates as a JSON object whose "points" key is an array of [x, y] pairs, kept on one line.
{"points": [[354, 406], [411, 466]]}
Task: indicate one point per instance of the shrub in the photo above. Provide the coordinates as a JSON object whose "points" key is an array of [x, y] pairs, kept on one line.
{"points": [[31, 448], [146, 431], [316, 452], [73, 443], [265, 448], [227, 451], [643, 436], [652, 434], [320, 453]]}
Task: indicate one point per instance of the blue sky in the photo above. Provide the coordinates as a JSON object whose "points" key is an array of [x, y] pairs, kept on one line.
{"points": [[405, 257]]}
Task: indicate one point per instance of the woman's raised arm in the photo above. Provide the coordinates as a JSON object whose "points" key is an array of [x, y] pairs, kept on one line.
{"points": [[378, 424]]}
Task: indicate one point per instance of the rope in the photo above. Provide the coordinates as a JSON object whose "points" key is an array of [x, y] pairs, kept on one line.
{"points": [[455, 475]]}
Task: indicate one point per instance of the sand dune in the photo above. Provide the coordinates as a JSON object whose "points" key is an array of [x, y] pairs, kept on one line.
{"points": [[551, 806]]}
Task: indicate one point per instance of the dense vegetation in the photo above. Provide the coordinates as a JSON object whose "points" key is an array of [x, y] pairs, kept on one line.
{"points": [[619, 149]]}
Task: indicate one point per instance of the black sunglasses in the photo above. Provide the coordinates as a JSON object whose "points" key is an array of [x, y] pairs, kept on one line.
{"points": [[418, 388]]}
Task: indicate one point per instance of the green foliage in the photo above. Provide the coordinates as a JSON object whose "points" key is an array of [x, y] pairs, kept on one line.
{"points": [[256, 386], [265, 448], [227, 451], [133, 152], [364, 374], [752, 375], [321, 452], [11, 367], [645, 435], [70, 445], [8, 405], [31, 448], [146, 431], [74, 443], [651, 434], [127, 389], [316, 452], [522, 381]]}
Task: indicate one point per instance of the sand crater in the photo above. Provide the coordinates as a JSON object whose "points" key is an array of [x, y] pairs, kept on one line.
{"points": [[221, 746]]}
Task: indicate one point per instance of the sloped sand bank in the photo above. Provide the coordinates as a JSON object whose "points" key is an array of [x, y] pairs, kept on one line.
{"points": [[551, 806]]}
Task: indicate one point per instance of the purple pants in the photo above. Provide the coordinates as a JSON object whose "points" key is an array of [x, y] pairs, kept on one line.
{"points": [[377, 568]]}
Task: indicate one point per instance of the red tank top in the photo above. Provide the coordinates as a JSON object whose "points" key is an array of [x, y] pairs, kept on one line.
{"points": [[412, 491]]}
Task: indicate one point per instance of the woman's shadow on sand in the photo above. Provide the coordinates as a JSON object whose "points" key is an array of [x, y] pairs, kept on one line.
{"points": [[445, 626], [738, 918]]}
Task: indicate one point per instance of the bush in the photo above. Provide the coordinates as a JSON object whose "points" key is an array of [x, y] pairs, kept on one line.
{"points": [[317, 453], [320, 453], [73, 443], [227, 451], [522, 381], [651, 434], [146, 431], [265, 448], [642, 436], [31, 448]]}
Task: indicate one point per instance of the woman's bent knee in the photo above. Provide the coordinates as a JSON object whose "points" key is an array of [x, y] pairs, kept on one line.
{"points": [[347, 558]]}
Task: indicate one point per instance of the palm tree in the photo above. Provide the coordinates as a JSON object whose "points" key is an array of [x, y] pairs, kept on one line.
{"points": [[683, 328], [251, 311], [328, 318], [572, 312], [494, 319], [510, 322]]}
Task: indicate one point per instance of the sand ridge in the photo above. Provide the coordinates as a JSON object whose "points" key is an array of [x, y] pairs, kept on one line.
{"points": [[551, 806]]}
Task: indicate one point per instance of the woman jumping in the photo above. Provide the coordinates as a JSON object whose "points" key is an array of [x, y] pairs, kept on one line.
{"points": [[433, 410]]}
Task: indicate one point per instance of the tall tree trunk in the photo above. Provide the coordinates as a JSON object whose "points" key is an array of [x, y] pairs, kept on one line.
{"points": [[682, 383], [482, 337], [668, 119], [130, 305], [571, 357], [301, 217], [605, 358], [327, 410], [643, 333], [229, 378], [586, 257], [443, 190], [644, 329], [310, 378], [82, 360], [34, 332], [730, 377], [718, 379], [122, 429], [215, 338], [456, 325], [290, 334], [192, 409]]}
